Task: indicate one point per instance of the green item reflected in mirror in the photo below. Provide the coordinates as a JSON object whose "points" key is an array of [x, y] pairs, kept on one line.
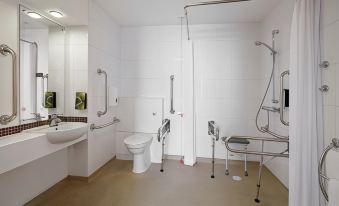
{"points": [[50, 100], [80, 100]]}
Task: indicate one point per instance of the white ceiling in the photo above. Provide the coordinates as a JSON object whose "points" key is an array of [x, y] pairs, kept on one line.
{"points": [[167, 12], [75, 11]]}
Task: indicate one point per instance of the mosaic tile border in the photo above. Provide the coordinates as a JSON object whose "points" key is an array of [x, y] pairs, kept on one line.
{"points": [[19, 128]]}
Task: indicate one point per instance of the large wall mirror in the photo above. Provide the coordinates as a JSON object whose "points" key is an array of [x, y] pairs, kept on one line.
{"points": [[42, 66], [53, 60]]}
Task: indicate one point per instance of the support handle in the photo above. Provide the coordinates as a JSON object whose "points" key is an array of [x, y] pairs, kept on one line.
{"points": [[5, 119]]}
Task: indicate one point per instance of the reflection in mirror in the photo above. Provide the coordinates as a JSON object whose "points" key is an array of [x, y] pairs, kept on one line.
{"points": [[42, 53]]}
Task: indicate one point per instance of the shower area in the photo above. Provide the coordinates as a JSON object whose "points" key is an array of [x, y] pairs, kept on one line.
{"points": [[207, 69]]}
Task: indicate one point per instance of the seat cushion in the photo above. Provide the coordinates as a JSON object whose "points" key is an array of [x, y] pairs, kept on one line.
{"points": [[235, 140]]}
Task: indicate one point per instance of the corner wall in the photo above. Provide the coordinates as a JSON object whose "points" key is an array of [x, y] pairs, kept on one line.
{"points": [[280, 18], [104, 53]]}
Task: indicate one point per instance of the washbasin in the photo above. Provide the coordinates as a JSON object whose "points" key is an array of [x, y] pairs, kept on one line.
{"points": [[64, 132]]}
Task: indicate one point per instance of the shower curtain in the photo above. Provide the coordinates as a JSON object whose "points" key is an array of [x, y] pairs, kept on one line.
{"points": [[306, 118]]}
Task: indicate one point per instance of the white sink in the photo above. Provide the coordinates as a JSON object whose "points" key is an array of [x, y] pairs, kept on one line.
{"points": [[64, 132]]}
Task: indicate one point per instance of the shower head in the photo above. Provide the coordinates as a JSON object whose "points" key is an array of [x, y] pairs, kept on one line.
{"points": [[259, 43]]}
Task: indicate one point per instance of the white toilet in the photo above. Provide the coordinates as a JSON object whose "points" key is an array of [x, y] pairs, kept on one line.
{"points": [[139, 146]]}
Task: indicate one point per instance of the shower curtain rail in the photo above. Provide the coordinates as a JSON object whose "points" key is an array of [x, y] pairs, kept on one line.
{"points": [[205, 4]]}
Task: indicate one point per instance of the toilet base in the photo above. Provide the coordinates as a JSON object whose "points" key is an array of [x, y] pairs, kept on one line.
{"points": [[140, 165]]}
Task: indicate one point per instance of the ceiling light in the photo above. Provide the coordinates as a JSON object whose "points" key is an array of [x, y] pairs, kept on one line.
{"points": [[56, 14], [34, 15]]}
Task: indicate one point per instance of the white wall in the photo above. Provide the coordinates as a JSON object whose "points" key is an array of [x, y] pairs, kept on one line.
{"points": [[149, 56], [228, 82], [104, 53], [280, 18], [229, 79], [8, 11], [330, 46]]}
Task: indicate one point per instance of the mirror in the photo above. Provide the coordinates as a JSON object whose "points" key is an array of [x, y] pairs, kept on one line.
{"points": [[53, 59], [42, 66]]}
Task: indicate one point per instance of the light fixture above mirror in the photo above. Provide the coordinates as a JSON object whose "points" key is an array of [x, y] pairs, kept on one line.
{"points": [[56, 14], [33, 15]]}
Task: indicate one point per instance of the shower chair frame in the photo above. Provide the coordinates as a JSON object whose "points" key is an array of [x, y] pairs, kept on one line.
{"points": [[213, 131], [163, 131]]}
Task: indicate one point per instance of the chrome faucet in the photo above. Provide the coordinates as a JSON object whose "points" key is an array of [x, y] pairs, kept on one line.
{"points": [[54, 121]]}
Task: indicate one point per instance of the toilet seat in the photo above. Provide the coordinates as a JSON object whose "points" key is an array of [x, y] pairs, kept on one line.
{"points": [[137, 139]]}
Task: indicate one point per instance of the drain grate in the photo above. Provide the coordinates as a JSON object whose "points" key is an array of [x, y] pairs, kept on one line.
{"points": [[236, 178]]}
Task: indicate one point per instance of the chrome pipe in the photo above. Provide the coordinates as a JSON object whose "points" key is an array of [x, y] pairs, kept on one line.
{"points": [[172, 111], [333, 145], [212, 2], [5, 119], [264, 139], [282, 97], [205, 4], [100, 113], [94, 127]]}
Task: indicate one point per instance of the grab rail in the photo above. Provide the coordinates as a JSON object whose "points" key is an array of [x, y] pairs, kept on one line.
{"points": [[93, 126], [5, 119], [100, 113], [333, 145], [282, 97], [263, 139], [172, 111], [163, 131]]}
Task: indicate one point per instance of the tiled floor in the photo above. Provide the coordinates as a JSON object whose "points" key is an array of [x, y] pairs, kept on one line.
{"points": [[179, 185]]}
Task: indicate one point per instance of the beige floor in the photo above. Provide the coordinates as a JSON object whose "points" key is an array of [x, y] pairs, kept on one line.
{"points": [[179, 185]]}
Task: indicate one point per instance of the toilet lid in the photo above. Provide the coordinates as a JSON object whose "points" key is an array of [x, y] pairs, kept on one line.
{"points": [[138, 139]]}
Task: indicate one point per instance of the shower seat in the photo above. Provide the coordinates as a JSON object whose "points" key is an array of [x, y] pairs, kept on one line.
{"points": [[239, 141]]}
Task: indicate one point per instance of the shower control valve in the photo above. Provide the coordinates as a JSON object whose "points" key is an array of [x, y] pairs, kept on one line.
{"points": [[324, 88]]}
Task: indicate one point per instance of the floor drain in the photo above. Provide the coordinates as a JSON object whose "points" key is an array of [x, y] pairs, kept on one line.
{"points": [[236, 178]]}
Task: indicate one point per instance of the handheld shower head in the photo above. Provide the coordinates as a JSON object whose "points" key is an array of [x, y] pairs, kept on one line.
{"points": [[259, 43]]}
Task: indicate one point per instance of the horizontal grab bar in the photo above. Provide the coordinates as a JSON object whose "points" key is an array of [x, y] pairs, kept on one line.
{"points": [[264, 139], [93, 126]]}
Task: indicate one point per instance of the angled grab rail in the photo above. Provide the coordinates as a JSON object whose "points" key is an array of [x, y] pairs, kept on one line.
{"points": [[100, 113], [5, 119], [333, 145]]}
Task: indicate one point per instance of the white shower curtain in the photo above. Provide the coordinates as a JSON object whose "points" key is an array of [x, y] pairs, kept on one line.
{"points": [[306, 118]]}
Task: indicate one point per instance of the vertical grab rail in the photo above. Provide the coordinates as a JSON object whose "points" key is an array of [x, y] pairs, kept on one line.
{"points": [[5, 119], [172, 111], [282, 97], [100, 113]]}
